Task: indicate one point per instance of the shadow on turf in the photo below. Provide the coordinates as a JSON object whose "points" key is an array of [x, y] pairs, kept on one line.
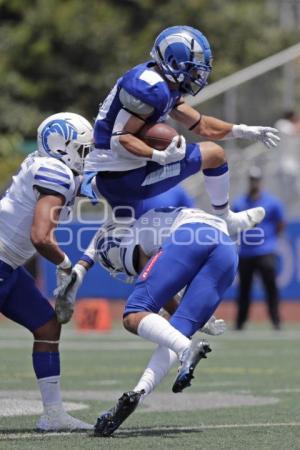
{"points": [[127, 432], [148, 431], [17, 431], [32, 431]]}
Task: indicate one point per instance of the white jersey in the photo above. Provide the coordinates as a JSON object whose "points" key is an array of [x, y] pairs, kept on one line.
{"points": [[156, 225], [114, 244], [37, 174]]}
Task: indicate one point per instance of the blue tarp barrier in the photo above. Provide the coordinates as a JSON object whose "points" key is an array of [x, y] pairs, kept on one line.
{"points": [[98, 283]]}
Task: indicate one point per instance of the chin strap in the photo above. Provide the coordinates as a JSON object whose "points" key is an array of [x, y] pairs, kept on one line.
{"points": [[42, 341]]}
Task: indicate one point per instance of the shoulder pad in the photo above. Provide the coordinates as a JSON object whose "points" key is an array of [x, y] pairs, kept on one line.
{"points": [[54, 175], [148, 87], [134, 104]]}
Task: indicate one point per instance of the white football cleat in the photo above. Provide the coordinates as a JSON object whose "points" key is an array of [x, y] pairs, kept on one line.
{"points": [[244, 220], [58, 420]]}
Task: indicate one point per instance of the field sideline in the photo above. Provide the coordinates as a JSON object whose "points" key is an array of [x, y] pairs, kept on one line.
{"points": [[245, 395]]}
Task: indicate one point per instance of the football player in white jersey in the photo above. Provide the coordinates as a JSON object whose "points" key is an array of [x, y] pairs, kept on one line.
{"points": [[124, 169], [171, 249], [40, 195]]}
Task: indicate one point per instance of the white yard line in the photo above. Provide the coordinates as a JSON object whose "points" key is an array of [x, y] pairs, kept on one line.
{"points": [[7, 332], [285, 391]]}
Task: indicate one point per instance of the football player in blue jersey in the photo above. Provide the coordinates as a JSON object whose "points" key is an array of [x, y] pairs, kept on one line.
{"points": [[40, 196], [124, 169]]}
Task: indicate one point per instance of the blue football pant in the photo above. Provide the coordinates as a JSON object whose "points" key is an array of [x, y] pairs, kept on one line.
{"points": [[20, 299], [128, 189], [206, 266]]}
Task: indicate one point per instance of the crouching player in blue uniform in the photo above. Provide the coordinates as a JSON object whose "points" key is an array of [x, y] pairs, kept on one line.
{"points": [[124, 169], [171, 249], [41, 194]]}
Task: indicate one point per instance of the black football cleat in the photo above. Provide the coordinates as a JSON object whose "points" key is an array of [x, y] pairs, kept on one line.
{"points": [[110, 420], [190, 359]]}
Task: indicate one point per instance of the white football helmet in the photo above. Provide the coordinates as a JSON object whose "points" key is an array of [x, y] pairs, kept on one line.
{"points": [[116, 248], [66, 136]]}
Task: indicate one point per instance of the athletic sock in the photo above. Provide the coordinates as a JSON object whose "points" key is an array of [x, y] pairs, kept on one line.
{"points": [[156, 329], [159, 365], [217, 186], [50, 392], [47, 370]]}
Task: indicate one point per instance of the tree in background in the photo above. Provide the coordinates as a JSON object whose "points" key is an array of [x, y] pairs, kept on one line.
{"points": [[65, 55]]}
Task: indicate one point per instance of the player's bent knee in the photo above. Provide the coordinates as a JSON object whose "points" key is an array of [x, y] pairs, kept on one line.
{"points": [[128, 322], [131, 321], [213, 155], [50, 331]]}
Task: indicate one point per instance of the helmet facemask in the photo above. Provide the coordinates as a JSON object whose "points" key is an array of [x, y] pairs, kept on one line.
{"points": [[195, 78], [74, 155]]}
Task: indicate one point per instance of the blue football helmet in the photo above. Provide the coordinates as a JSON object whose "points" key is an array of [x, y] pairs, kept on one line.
{"points": [[184, 56]]}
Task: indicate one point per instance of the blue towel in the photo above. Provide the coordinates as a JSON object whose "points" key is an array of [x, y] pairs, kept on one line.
{"points": [[86, 187]]}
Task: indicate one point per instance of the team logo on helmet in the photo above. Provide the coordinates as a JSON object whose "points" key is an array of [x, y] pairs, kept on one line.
{"points": [[56, 128], [108, 247]]}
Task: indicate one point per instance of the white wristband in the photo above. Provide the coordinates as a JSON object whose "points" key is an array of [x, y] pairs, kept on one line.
{"points": [[158, 157], [235, 132], [239, 130], [65, 264]]}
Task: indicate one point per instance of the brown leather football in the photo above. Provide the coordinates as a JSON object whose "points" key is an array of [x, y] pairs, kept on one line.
{"points": [[157, 136]]}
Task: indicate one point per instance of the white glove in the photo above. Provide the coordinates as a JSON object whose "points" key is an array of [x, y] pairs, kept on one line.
{"points": [[61, 271], [267, 135], [66, 292], [214, 326], [173, 153]]}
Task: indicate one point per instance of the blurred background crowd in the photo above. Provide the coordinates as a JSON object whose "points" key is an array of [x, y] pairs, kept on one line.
{"points": [[65, 56]]}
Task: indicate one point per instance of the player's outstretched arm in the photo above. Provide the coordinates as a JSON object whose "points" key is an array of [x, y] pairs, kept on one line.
{"points": [[216, 129], [205, 126]]}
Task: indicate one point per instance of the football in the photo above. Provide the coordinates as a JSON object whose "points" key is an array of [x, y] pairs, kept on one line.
{"points": [[157, 136]]}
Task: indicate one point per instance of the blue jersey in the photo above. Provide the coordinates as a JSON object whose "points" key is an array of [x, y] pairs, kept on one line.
{"points": [[146, 85], [140, 90], [253, 243], [113, 172]]}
